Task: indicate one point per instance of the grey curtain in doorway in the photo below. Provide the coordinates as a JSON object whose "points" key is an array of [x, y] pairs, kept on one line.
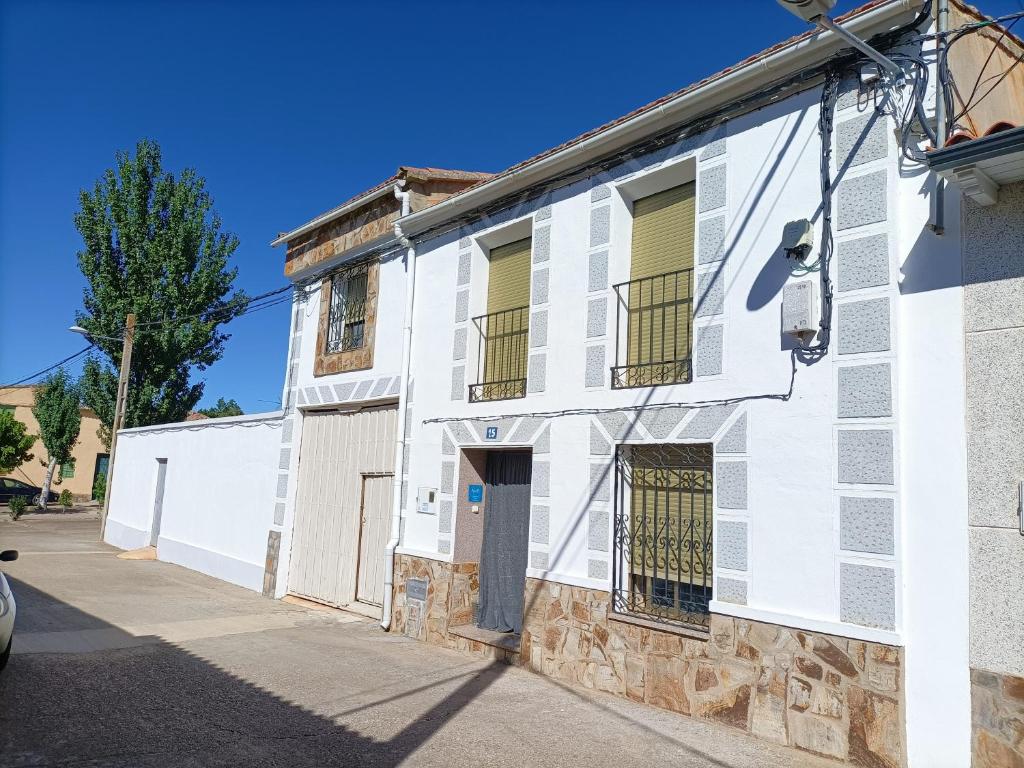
{"points": [[504, 553]]}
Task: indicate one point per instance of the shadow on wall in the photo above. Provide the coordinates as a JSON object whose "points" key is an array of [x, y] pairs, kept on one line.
{"points": [[152, 703], [990, 248]]}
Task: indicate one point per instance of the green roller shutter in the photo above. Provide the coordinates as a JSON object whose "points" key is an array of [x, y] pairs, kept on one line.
{"points": [[663, 226], [508, 279], [660, 291], [507, 324], [671, 513]]}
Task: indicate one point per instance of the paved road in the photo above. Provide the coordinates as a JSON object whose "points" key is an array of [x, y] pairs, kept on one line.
{"points": [[135, 663]]}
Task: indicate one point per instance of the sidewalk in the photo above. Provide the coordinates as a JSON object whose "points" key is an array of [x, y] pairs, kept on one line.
{"points": [[141, 663]]}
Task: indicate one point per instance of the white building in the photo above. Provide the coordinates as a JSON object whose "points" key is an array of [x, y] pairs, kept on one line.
{"points": [[678, 411]]}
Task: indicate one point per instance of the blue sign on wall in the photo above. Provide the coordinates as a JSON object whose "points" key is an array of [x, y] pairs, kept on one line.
{"points": [[475, 493], [492, 433]]}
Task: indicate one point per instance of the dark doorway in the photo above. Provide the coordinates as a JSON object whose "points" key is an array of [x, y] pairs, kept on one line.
{"points": [[102, 462], [505, 547]]}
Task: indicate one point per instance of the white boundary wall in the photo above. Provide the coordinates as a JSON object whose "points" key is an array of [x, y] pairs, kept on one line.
{"points": [[215, 516]]}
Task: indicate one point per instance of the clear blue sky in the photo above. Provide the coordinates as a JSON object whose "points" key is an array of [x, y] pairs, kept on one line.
{"points": [[288, 109]]}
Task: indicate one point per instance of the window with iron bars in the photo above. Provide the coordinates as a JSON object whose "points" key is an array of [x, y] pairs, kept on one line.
{"points": [[502, 355], [654, 330], [346, 320], [662, 560]]}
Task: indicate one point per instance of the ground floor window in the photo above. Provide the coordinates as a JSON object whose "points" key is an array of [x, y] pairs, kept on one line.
{"points": [[663, 532]]}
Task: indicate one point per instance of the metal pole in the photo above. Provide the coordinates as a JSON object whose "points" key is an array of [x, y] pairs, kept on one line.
{"points": [[887, 64], [119, 408]]}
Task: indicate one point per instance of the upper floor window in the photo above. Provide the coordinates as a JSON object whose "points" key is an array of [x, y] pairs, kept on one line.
{"points": [[503, 340], [654, 308], [348, 313], [346, 322]]}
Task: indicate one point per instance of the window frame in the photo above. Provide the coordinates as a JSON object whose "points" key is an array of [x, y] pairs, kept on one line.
{"points": [[689, 607], [359, 358]]}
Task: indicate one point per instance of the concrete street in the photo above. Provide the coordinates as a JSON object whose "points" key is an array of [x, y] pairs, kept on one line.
{"points": [[141, 663]]}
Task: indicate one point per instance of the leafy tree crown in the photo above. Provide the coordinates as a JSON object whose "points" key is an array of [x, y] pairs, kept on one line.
{"points": [[56, 409], [153, 245], [15, 443]]}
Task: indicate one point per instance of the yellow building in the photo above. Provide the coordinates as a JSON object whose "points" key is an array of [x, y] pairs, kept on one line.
{"points": [[90, 454]]}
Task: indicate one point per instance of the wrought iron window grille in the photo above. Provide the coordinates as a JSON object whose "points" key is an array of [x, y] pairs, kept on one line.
{"points": [[502, 352], [346, 319], [654, 330], [662, 533]]}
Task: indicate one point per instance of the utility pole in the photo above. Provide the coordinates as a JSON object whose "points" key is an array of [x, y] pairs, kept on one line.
{"points": [[119, 408]]}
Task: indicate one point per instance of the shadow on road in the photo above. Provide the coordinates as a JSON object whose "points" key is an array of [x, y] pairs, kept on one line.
{"points": [[145, 702]]}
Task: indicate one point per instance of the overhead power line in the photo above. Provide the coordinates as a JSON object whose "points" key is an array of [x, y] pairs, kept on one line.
{"points": [[46, 370]]}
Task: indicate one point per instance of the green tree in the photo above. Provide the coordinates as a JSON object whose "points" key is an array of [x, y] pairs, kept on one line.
{"points": [[14, 443], [153, 246], [57, 411], [222, 408]]}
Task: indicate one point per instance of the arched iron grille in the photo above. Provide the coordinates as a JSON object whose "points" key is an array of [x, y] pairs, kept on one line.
{"points": [[663, 527]]}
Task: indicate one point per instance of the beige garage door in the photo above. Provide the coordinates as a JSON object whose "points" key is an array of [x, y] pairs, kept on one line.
{"points": [[342, 506]]}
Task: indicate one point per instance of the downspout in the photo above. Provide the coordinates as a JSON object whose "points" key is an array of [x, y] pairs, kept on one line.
{"points": [[403, 400], [941, 28]]}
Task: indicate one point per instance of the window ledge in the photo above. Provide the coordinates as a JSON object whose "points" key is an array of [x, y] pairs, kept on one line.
{"points": [[674, 629]]}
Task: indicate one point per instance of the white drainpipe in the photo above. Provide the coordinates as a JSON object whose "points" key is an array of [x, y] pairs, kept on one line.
{"points": [[403, 398]]}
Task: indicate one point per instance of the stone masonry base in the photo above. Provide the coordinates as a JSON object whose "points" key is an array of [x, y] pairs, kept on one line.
{"points": [[824, 694], [997, 720]]}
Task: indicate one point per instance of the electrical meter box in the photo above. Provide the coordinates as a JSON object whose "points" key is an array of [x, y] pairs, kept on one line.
{"points": [[426, 501], [800, 309], [798, 239]]}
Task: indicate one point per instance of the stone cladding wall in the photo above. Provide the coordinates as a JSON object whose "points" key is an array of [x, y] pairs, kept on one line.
{"points": [[997, 720], [821, 693]]}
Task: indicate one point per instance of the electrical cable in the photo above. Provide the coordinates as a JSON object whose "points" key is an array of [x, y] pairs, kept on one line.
{"points": [[988, 59], [945, 77], [826, 115], [1003, 76], [58, 364], [782, 396]]}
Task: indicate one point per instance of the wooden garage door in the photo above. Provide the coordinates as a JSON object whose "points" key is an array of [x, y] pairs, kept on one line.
{"points": [[338, 451]]}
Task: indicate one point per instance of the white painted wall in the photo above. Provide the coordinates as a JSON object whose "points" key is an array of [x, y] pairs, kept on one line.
{"points": [[773, 158], [216, 510], [387, 352], [794, 553]]}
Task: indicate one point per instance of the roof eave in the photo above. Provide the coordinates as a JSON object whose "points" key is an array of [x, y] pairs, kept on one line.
{"points": [[981, 166], [720, 90], [335, 213]]}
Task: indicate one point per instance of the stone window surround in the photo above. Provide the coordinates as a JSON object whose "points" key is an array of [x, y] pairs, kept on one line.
{"points": [[326, 363]]}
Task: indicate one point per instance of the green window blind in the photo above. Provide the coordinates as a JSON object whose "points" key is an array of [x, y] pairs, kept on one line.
{"points": [[661, 287], [508, 278]]}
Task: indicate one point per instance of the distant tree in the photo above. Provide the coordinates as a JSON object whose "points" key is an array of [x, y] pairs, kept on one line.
{"points": [[56, 409], [15, 443], [222, 408], [153, 246]]}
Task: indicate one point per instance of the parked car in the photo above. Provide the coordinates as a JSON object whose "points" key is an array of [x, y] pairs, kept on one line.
{"points": [[9, 487], [7, 610]]}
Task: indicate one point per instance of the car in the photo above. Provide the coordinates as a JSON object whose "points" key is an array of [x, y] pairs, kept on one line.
{"points": [[7, 610], [9, 488]]}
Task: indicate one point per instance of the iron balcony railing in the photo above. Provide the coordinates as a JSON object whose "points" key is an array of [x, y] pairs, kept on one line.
{"points": [[654, 330], [502, 351], [663, 523]]}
